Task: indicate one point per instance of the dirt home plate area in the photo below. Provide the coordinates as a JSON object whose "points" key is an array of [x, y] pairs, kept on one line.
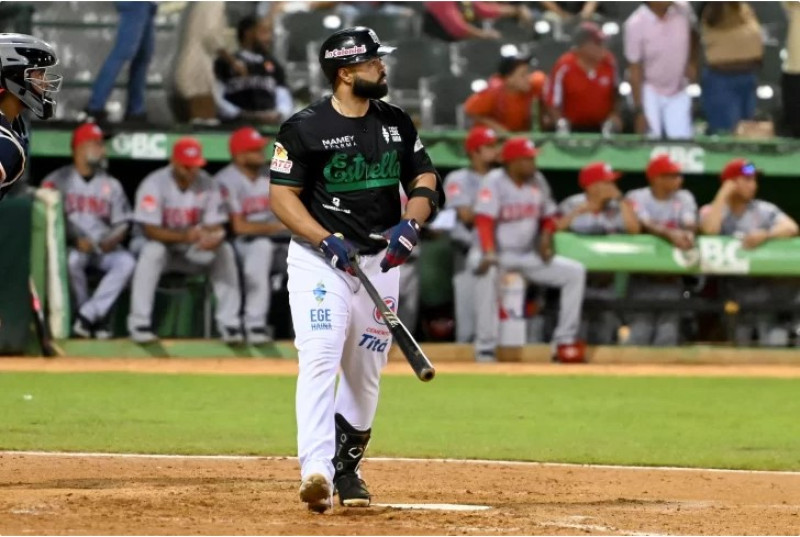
{"points": [[67, 494]]}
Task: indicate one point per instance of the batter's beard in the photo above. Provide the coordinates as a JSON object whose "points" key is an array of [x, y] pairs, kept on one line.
{"points": [[370, 90]]}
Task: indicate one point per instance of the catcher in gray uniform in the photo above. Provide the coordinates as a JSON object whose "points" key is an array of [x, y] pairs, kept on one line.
{"points": [[245, 188], [666, 211], [599, 210], [462, 187], [97, 219], [181, 213], [512, 214], [736, 212]]}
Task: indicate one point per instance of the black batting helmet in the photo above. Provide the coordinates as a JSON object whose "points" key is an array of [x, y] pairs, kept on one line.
{"points": [[348, 47]]}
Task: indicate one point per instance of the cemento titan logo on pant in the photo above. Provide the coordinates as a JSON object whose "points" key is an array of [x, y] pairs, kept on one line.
{"points": [[391, 302], [373, 343]]}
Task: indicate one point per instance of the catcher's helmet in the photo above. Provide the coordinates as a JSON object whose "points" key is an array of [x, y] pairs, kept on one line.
{"points": [[350, 46], [24, 64]]}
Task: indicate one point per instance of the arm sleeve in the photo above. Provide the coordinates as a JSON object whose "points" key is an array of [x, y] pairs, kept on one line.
{"points": [[632, 40], [288, 166], [480, 104], [487, 10], [149, 204], [230, 195], [488, 202], [12, 159], [120, 207], [415, 158], [457, 195], [215, 210], [769, 214], [638, 206], [688, 209], [225, 108], [555, 86]]}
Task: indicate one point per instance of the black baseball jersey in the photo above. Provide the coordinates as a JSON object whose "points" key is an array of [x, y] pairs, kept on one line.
{"points": [[256, 90], [350, 168], [13, 151]]}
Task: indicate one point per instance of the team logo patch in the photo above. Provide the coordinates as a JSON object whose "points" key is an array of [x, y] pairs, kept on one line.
{"points": [[389, 301], [418, 145], [149, 203], [453, 189], [280, 160], [320, 292], [485, 195], [345, 51]]}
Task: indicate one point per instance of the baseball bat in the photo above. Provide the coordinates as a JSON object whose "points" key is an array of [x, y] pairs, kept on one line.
{"points": [[408, 345], [42, 331]]}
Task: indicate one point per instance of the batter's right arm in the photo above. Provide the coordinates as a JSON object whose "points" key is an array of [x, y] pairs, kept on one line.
{"points": [[289, 209]]}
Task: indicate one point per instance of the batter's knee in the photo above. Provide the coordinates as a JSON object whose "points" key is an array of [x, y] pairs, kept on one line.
{"points": [[125, 263]]}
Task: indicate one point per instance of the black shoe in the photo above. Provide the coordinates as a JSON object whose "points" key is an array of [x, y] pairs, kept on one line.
{"points": [[232, 335], [352, 491]]}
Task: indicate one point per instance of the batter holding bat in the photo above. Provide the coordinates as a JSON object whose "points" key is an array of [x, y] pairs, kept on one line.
{"points": [[336, 168], [97, 220]]}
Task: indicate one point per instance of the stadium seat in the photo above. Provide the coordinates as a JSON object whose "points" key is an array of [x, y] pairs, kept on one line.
{"points": [[443, 97], [513, 31], [481, 56], [773, 21], [414, 59], [389, 27]]}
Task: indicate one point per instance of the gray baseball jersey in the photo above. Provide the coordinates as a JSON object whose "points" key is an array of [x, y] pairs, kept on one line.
{"points": [[516, 209], [245, 196], [462, 188], [758, 215], [606, 221], [92, 207], [160, 202], [678, 212]]}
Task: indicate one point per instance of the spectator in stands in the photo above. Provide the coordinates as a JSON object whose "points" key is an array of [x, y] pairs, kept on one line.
{"points": [[455, 21], [506, 104], [97, 220], [135, 44], [202, 40], [461, 187], [568, 10], [661, 49], [736, 212], [731, 37], [245, 188], [790, 81], [581, 93], [666, 211], [258, 92], [599, 210], [181, 214]]}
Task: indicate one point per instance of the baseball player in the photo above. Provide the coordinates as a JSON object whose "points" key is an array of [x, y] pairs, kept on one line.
{"points": [[736, 212], [334, 183], [666, 211], [181, 214], [461, 187], [245, 188], [24, 83], [97, 218], [512, 213], [599, 210]]}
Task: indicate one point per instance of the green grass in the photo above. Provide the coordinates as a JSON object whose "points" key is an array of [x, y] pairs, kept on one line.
{"points": [[707, 422]]}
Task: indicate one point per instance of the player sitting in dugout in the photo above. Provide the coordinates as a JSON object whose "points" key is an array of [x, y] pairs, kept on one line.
{"points": [[599, 210], [735, 212]]}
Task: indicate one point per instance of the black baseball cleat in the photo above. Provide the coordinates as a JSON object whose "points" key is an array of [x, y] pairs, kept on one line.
{"points": [[350, 447], [352, 491]]}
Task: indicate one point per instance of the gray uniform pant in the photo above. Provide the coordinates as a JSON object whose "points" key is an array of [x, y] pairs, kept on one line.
{"points": [[256, 258], [769, 331], [156, 257], [565, 274], [408, 302], [599, 328], [464, 282], [117, 267], [659, 329]]}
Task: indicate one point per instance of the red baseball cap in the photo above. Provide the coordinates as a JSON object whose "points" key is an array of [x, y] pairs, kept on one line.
{"points": [[478, 137], [738, 167], [246, 139], [662, 165], [597, 172], [515, 148], [88, 132], [187, 151]]}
